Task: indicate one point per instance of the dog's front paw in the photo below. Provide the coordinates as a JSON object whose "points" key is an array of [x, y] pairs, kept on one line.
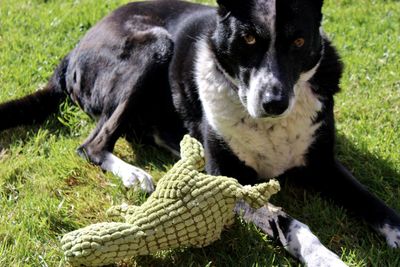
{"points": [[323, 257], [392, 235], [303, 244], [130, 175], [136, 177]]}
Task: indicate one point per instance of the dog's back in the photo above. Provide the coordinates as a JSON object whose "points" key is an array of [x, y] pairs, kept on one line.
{"points": [[108, 63]]}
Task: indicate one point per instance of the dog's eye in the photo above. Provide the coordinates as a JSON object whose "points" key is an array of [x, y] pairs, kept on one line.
{"points": [[299, 42], [249, 39]]}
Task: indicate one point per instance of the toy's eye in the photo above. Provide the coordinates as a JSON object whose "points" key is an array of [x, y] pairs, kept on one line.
{"points": [[299, 42], [249, 39]]}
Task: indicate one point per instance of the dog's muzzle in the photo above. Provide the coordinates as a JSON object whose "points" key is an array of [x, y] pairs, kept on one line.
{"points": [[275, 102]]}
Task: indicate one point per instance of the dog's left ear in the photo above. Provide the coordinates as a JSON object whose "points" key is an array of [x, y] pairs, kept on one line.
{"points": [[318, 3], [318, 7]]}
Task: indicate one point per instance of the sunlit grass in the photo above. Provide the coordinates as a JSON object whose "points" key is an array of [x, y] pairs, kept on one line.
{"points": [[46, 190]]}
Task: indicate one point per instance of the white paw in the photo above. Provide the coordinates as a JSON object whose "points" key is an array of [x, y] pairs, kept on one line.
{"points": [[392, 235], [135, 177], [131, 176]]}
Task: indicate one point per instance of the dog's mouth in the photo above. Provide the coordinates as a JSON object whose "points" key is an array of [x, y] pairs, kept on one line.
{"points": [[268, 116]]}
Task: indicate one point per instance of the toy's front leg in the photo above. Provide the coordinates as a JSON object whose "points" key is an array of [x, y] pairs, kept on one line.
{"points": [[258, 195], [295, 236]]}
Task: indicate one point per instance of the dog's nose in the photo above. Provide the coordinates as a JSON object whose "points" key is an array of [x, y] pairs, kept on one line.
{"points": [[275, 106]]}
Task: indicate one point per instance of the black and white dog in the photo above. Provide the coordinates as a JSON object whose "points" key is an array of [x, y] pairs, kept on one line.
{"points": [[253, 80]]}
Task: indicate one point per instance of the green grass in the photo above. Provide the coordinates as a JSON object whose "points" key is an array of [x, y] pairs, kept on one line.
{"points": [[46, 190]]}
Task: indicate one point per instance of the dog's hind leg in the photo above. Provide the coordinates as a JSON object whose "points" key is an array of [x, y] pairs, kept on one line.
{"points": [[101, 141], [122, 79], [295, 236]]}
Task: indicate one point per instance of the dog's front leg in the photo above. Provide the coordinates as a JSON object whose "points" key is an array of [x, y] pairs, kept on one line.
{"points": [[295, 236], [220, 160], [336, 182]]}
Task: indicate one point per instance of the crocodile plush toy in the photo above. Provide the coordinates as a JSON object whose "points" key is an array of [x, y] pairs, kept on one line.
{"points": [[188, 208]]}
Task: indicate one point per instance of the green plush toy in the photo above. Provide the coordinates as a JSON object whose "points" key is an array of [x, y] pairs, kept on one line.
{"points": [[188, 208]]}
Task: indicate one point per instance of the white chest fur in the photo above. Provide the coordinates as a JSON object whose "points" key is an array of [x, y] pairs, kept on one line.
{"points": [[269, 146]]}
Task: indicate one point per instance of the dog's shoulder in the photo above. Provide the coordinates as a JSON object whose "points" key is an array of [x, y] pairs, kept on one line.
{"points": [[194, 29]]}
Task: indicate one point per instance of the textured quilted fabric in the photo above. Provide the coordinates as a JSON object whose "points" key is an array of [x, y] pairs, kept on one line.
{"points": [[188, 208]]}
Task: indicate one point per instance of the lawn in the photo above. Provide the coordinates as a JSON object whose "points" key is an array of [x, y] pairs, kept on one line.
{"points": [[46, 190]]}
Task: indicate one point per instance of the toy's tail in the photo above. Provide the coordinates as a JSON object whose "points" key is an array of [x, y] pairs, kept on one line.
{"points": [[192, 152], [103, 243], [36, 107]]}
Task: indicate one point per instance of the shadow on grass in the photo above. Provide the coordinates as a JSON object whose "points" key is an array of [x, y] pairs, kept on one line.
{"points": [[240, 245], [147, 154], [379, 175], [23, 134]]}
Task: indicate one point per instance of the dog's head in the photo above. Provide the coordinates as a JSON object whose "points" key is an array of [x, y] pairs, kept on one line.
{"points": [[266, 47]]}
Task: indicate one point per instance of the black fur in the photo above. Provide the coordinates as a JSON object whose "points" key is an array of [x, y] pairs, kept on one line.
{"points": [[134, 72]]}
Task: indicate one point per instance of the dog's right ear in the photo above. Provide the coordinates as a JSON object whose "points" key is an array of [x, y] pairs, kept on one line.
{"points": [[224, 3], [226, 6]]}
